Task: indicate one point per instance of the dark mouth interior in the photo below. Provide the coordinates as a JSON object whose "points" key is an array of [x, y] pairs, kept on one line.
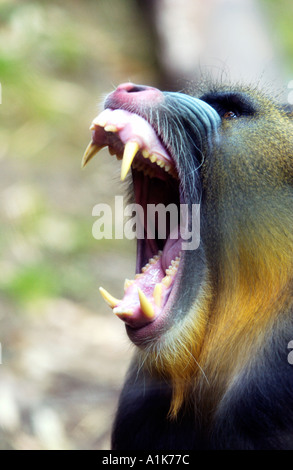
{"points": [[149, 192], [156, 188]]}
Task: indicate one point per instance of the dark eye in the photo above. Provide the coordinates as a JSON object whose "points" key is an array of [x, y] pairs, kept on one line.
{"points": [[230, 115]]}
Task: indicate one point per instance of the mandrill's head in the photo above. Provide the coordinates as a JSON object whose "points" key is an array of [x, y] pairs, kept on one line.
{"points": [[197, 311]]}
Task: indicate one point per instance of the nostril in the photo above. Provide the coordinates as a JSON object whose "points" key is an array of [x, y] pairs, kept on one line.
{"points": [[130, 94], [131, 88], [137, 89]]}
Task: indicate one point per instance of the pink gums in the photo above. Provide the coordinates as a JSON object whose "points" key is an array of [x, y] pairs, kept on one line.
{"points": [[146, 281]]}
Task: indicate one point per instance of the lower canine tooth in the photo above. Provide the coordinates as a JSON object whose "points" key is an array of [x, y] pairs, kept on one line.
{"points": [[157, 294], [145, 305], [130, 150], [109, 299]]}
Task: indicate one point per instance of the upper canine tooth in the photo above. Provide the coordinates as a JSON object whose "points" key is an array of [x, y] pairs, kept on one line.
{"points": [[90, 152], [130, 150]]}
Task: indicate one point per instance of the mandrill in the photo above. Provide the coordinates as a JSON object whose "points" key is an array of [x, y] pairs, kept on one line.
{"points": [[211, 325]]}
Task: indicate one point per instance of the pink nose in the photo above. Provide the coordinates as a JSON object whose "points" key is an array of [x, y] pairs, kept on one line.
{"points": [[130, 94]]}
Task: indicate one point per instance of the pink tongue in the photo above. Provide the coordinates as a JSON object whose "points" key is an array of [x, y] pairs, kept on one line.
{"points": [[172, 248], [129, 309]]}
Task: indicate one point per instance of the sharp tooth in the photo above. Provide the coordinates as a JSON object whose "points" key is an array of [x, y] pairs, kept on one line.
{"points": [[109, 299], [157, 294], [153, 158], [130, 151], [90, 152], [145, 305]]}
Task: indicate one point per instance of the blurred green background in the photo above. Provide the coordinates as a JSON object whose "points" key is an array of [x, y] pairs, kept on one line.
{"points": [[57, 61], [63, 355]]}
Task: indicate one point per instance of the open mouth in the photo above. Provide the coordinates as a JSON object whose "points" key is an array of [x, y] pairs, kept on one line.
{"points": [[142, 152]]}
